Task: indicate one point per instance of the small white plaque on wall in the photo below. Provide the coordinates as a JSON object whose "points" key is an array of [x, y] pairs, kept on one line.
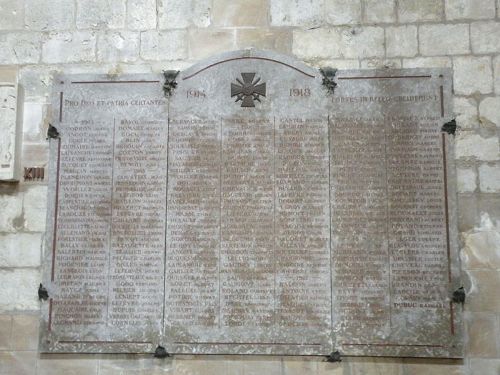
{"points": [[11, 110]]}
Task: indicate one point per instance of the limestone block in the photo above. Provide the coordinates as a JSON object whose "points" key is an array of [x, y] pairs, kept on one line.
{"points": [[101, 14], [183, 13], [270, 366], [201, 366], [25, 332], [141, 14], [469, 9], [12, 217], [474, 146], [401, 41], [5, 332], [336, 63], [300, 366], [11, 14], [19, 289], [489, 178], [380, 64], [343, 12], [482, 245], [163, 45], [68, 47], [482, 331], [453, 39], [18, 363], [296, 12], [375, 366], [36, 81], [49, 15], [485, 37], [33, 122], [59, 364], [20, 47], [380, 11], [415, 366], [468, 215], [496, 69], [420, 10], [240, 13], [203, 43], [35, 208], [483, 295], [362, 42], [136, 365], [466, 180], [472, 75], [20, 249], [489, 111], [337, 368], [118, 46], [484, 366], [427, 62], [271, 39], [465, 110]]}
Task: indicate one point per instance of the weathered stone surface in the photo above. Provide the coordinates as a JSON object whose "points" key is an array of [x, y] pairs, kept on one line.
{"points": [[427, 62], [25, 332], [12, 218], [374, 366], [19, 291], [20, 47], [101, 14], [35, 208], [12, 14], [476, 147], [401, 41], [60, 365], [5, 332], [482, 245], [466, 83], [465, 110], [466, 180], [50, 15], [489, 178], [484, 366], [434, 367], [453, 39], [496, 72], [380, 64], [485, 37], [174, 14], [489, 111], [67, 47], [227, 13], [342, 12], [483, 333], [469, 9], [20, 250], [163, 45], [203, 43], [483, 294], [420, 10], [18, 363], [345, 42], [141, 14], [270, 39], [118, 46], [296, 12], [380, 11]]}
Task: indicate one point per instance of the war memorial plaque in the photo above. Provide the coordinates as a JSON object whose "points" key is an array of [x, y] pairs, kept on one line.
{"points": [[252, 205]]}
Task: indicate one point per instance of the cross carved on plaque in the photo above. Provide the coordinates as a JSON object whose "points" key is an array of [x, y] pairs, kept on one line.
{"points": [[248, 90]]}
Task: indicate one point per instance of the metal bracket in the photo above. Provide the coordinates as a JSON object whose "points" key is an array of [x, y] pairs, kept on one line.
{"points": [[42, 293], [328, 79], [170, 83], [450, 127], [52, 132], [334, 357], [160, 352], [458, 295]]}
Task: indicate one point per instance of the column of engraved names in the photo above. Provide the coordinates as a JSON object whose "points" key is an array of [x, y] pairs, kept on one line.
{"points": [[302, 224], [83, 222], [419, 264], [138, 222], [193, 224], [247, 209], [359, 241]]}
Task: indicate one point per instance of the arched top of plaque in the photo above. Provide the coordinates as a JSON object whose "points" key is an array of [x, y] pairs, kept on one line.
{"points": [[254, 55]]}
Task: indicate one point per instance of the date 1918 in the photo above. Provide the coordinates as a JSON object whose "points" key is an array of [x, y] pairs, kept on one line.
{"points": [[300, 92]]}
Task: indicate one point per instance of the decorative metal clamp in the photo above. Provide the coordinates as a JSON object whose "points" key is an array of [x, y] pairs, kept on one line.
{"points": [[450, 127], [43, 294], [334, 357], [52, 132], [458, 295], [328, 79], [170, 82], [161, 352]]}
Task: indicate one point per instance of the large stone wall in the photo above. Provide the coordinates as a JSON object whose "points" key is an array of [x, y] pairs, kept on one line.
{"points": [[39, 38]]}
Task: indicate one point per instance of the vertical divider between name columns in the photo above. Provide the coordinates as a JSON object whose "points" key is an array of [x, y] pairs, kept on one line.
{"points": [[110, 239], [162, 330], [330, 218], [220, 218]]}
